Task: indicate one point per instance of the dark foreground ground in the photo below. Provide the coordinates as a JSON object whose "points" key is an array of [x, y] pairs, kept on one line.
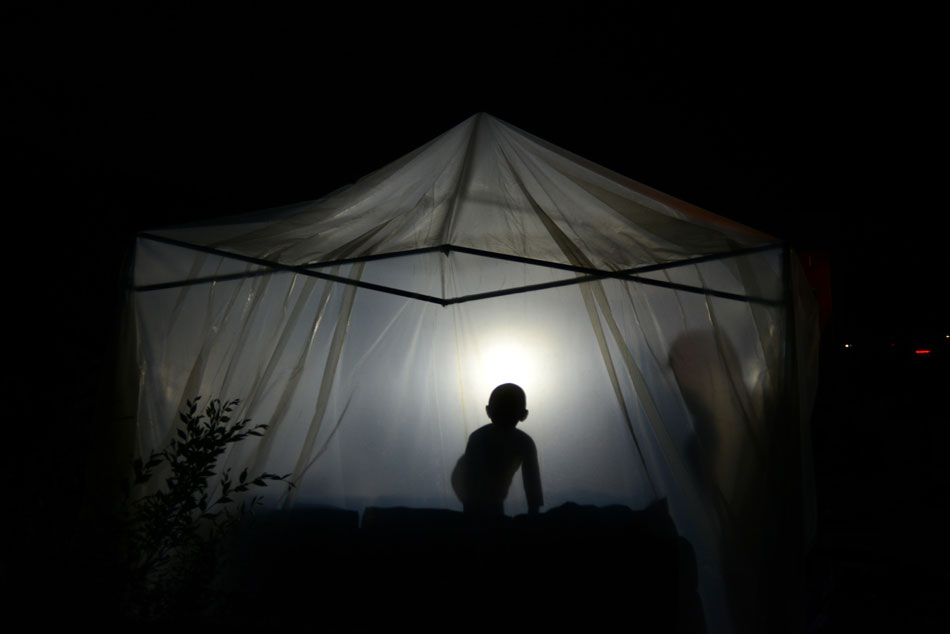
{"points": [[881, 557]]}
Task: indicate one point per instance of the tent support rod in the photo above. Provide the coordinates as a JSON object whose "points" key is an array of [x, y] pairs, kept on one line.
{"points": [[447, 248], [628, 278], [589, 274], [702, 258], [379, 256], [317, 274], [600, 273], [272, 267], [205, 280]]}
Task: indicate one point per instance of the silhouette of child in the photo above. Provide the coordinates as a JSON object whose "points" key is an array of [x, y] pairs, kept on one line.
{"points": [[494, 452]]}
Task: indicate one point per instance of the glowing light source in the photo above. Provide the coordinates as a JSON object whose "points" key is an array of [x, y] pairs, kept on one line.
{"points": [[508, 360], [922, 351], [511, 355]]}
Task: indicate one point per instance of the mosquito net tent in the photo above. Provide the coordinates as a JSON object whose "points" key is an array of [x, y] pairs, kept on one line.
{"points": [[666, 352]]}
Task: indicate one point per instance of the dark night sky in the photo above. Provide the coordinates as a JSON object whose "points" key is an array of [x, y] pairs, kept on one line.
{"points": [[811, 126], [805, 125], [801, 125], [119, 119]]}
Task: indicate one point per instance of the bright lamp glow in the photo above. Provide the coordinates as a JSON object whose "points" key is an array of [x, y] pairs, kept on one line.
{"points": [[509, 357], [508, 361]]}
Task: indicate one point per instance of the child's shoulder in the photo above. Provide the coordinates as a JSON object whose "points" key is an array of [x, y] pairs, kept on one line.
{"points": [[523, 437], [484, 430]]}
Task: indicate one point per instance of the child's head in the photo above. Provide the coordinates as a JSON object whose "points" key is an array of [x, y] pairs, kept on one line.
{"points": [[506, 406]]}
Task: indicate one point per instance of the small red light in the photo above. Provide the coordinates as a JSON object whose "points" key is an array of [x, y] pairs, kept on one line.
{"points": [[922, 351]]}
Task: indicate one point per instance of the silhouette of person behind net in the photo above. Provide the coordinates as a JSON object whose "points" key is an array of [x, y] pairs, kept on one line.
{"points": [[494, 452]]}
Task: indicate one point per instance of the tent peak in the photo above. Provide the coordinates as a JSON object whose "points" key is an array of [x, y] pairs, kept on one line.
{"points": [[487, 185]]}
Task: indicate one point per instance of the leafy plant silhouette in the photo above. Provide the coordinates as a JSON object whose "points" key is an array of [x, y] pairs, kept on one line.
{"points": [[176, 534]]}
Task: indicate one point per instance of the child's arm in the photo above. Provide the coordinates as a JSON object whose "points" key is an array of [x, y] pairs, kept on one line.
{"points": [[531, 475]]}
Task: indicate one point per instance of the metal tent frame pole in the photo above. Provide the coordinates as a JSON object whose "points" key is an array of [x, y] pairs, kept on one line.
{"points": [[585, 274]]}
